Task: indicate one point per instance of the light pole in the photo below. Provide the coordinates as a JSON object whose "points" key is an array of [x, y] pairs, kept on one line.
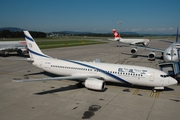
{"points": [[120, 22]]}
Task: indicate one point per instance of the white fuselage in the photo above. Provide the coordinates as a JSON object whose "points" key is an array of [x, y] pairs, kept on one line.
{"points": [[128, 74], [144, 42], [10, 46]]}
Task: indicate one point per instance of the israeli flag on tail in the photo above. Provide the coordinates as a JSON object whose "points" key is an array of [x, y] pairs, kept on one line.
{"points": [[34, 51]]}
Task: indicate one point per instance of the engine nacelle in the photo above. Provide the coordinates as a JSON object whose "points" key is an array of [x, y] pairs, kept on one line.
{"points": [[22, 51], [94, 84], [151, 56], [133, 50]]}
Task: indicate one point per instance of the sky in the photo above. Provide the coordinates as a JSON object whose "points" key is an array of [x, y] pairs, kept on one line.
{"points": [[99, 16]]}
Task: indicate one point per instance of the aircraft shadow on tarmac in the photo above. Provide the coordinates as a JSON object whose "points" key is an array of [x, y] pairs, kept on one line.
{"points": [[62, 89], [136, 87], [80, 85]]}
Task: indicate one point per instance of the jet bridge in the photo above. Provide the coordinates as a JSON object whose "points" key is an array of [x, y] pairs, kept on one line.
{"points": [[171, 68]]}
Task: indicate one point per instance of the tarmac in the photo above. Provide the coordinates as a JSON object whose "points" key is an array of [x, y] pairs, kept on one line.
{"points": [[63, 100]]}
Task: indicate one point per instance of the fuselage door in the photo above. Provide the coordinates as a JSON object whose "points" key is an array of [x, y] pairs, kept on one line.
{"points": [[151, 77]]}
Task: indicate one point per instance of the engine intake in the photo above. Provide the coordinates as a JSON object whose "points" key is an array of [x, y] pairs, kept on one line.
{"points": [[94, 84], [133, 50], [151, 56]]}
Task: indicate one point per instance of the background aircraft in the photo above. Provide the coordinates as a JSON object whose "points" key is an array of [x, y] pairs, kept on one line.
{"points": [[170, 54], [13, 46], [142, 42], [94, 74]]}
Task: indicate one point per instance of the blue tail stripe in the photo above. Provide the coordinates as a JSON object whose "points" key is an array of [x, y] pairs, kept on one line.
{"points": [[29, 38], [109, 74], [38, 54]]}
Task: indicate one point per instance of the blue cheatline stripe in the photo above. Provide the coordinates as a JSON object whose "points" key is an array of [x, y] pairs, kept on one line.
{"points": [[29, 38], [109, 74], [38, 54]]}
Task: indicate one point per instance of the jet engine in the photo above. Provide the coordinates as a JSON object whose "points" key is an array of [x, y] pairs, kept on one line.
{"points": [[94, 84], [133, 50], [151, 56], [22, 51]]}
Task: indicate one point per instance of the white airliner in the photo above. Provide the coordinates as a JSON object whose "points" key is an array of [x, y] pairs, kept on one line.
{"points": [[170, 54], [94, 74], [142, 42], [13, 46]]}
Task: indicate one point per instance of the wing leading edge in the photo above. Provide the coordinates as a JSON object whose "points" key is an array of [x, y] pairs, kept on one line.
{"points": [[82, 78]]}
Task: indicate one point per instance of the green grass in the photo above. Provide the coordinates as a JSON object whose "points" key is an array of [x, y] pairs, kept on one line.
{"points": [[47, 46], [56, 42]]}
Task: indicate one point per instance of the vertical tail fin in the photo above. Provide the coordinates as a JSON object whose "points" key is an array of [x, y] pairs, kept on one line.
{"points": [[34, 51], [116, 35], [177, 36]]}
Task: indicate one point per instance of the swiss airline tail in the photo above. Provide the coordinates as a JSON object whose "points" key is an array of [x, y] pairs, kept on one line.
{"points": [[116, 35]]}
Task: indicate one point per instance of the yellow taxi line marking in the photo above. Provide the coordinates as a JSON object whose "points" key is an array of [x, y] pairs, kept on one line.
{"points": [[136, 91], [157, 95], [152, 93]]}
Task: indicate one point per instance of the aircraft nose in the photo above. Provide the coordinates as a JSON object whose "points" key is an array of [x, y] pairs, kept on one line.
{"points": [[167, 58], [172, 81]]}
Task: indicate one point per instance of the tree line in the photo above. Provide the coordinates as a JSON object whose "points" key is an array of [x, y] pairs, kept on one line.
{"points": [[20, 34], [108, 35]]}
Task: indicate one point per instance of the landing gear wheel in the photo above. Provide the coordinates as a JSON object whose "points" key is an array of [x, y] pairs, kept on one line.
{"points": [[154, 90]]}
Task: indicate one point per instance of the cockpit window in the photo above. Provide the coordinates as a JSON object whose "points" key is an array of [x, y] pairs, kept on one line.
{"points": [[168, 54], [164, 76]]}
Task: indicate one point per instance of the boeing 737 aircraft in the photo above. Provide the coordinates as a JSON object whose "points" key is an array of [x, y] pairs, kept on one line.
{"points": [[170, 54], [13, 46], [142, 42], [94, 74]]}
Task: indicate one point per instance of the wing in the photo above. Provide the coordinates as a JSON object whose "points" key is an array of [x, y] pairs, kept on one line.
{"points": [[136, 55], [80, 78], [149, 48]]}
